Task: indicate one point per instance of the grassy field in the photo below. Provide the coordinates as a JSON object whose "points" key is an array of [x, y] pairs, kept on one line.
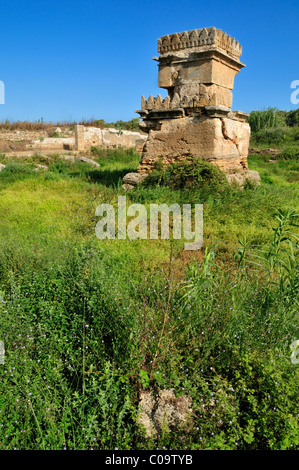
{"points": [[89, 324]]}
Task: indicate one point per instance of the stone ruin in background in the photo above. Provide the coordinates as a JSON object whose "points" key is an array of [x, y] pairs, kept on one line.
{"points": [[197, 68]]}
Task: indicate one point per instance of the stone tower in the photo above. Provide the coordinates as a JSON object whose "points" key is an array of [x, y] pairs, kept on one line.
{"points": [[197, 68]]}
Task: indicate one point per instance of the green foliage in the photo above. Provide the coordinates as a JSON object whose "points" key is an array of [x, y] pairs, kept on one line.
{"points": [[263, 119], [131, 125], [292, 118], [79, 342], [278, 135], [281, 255], [16, 167], [89, 324], [60, 166], [274, 127], [289, 154], [188, 174], [119, 154], [271, 136]]}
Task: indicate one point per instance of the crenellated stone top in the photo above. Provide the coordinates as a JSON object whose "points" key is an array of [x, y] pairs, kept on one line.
{"points": [[199, 38], [157, 104]]}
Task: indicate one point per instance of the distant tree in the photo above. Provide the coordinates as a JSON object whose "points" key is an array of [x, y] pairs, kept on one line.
{"points": [[263, 119], [292, 118], [131, 125]]}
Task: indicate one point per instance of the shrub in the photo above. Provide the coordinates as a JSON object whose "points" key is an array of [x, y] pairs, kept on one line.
{"points": [[271, 136], [292, 118], [60, 166], [289, 153], [189, 173], [16, 167]]}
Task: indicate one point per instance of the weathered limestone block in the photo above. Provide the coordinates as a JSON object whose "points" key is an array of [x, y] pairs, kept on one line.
{"points": [[85, 137], [224, 96], [150, 102], [79, 137], [50, 143], [143, 102], [222, 141], [167, 77], [239, 133], [139, 145]]}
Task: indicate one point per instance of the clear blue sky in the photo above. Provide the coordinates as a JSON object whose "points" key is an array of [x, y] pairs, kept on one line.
{"points": [[73, 60]]}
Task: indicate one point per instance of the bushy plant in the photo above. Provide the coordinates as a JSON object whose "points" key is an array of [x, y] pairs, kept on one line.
{"points": [[271, 136], [190, 173], [290, 153], [16, 167], [292, 118]]}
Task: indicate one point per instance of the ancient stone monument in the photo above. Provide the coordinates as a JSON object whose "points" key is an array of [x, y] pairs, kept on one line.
{"points": [[197, 68]]}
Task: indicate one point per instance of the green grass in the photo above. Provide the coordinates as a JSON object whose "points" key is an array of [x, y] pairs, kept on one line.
{"points": [[89, 324], [278, 138], [276, 129]]}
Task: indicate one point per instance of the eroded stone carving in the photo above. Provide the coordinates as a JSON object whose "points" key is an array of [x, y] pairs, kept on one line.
{"points": [[198, 38]]}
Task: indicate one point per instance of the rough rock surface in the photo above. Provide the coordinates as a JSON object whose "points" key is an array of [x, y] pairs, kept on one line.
{"points": [[241, 177], [52, 143], [128, 187], [164, 412], [56, 139], [222, 141], [86, 137], [133, 179]]}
